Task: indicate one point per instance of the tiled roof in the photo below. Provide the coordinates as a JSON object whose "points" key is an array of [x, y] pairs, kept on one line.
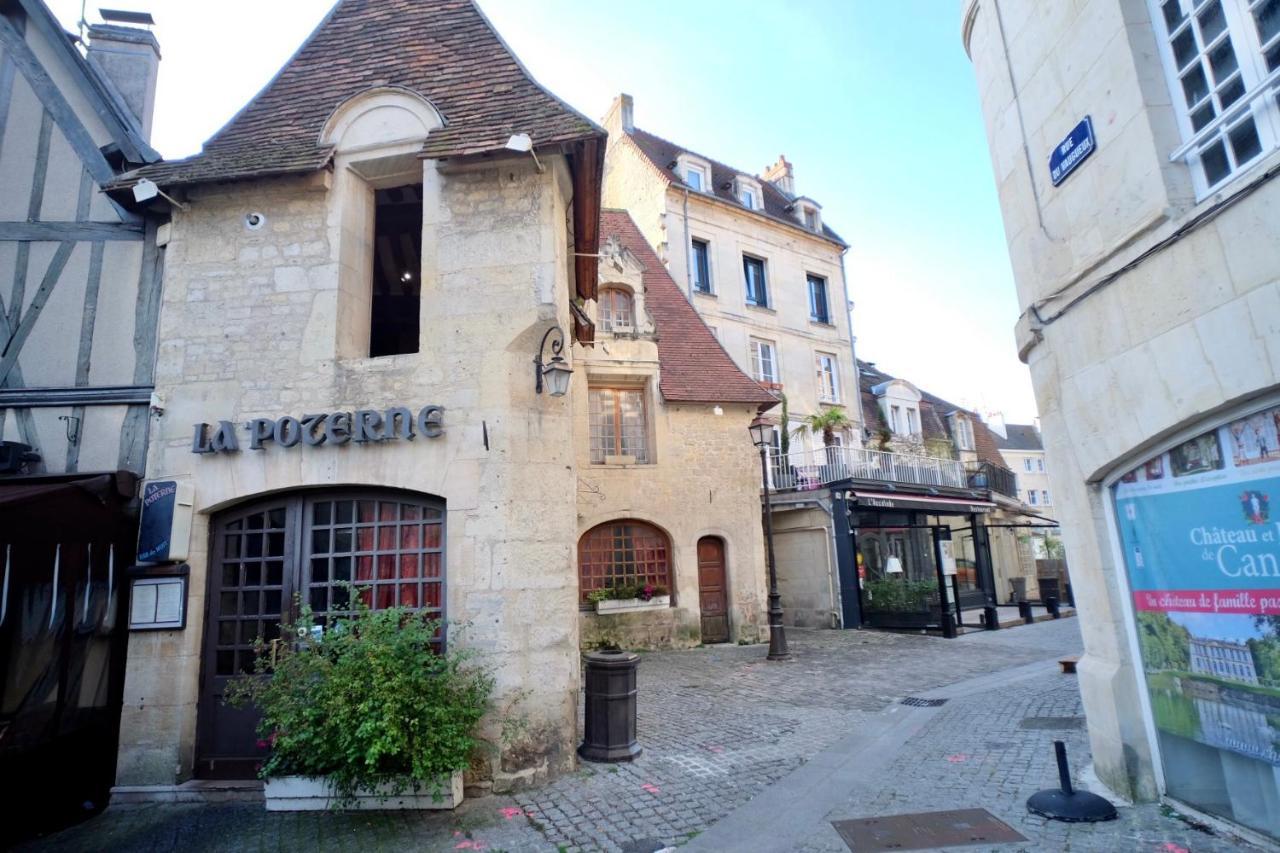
{"points": [[662, 155], [444, 50], [693, 367], [934, 410], [1021, 437]]}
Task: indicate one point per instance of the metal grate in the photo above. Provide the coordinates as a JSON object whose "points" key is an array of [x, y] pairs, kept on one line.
{"points": [[918, 702], [925, 831], [1051, 723]]}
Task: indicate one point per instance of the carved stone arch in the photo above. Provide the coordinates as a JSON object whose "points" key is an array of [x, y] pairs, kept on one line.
{"points": [[378, 118]]}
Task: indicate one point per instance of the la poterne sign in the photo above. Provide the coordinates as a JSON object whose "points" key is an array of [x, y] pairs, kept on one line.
{"points": [[1072, 151]]}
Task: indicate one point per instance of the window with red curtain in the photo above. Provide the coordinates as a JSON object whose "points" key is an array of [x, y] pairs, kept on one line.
{"points": [[623, 553]]}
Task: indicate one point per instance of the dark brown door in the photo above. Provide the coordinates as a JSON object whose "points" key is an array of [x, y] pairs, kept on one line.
{"points": [[712, 594], [251, 582]]}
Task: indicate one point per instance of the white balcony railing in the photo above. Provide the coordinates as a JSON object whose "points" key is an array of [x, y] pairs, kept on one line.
{"points": [[812, 469]]}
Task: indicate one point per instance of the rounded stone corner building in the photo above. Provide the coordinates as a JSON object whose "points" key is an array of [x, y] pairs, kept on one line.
{"points": [[1135, 146], [360, 270]]}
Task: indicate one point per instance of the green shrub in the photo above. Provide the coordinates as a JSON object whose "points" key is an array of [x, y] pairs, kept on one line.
{"points": [[902, 595], [625, 591], [366, 701]]}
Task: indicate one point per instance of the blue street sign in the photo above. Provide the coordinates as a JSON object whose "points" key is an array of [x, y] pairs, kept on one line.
{"points": [[1072, 151]]}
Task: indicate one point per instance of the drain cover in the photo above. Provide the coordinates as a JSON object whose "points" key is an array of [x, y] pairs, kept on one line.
{"points": [[925, 830], [917, 702], [1051, 723]]}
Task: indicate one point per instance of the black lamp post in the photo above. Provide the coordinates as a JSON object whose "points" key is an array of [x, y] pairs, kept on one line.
{"points": [[761, 430]]}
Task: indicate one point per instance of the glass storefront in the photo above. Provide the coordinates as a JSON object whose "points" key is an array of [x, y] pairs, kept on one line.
{"points": [[1202, 555]]}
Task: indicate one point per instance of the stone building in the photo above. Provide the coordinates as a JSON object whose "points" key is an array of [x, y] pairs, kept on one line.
{"points": [[363, 267], [667, 492], [1023, 451], [1134, 146], [79, 291], [753, 257]]}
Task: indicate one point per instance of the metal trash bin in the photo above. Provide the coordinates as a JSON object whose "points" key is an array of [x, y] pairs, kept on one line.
{"points": [[609, 717]]}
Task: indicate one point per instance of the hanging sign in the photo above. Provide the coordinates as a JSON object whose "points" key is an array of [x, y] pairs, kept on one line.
{"points": [[337, 428], [1072, 151], [164, 530]]}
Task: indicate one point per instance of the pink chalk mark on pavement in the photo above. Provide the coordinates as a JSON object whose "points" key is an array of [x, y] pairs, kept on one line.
{"points": [[958, 758], [469, 845], [511, 811], [652, 789], [714, 748], [1171, 847]]}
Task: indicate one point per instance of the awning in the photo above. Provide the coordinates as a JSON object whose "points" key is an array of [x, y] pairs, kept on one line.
{"points": [[45, 506], [927, 503]]}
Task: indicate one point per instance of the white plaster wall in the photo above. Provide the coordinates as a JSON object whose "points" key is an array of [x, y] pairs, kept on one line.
{"points": [[249, 326], [1189, 331]]}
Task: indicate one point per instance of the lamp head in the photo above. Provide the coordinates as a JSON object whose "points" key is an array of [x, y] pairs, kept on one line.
{"points": [[761, 431], [557, 375]]}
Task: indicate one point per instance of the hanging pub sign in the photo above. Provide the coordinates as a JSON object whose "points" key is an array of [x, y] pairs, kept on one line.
{"points": [[164, 529], [1072, 151], [336, 428]]}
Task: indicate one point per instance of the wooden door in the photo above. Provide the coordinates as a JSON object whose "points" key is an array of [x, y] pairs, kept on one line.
{"points": [[252, 580], [712, 593]]}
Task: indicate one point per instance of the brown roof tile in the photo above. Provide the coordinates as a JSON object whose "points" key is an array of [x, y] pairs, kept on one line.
{"points": [[662, 155], [694, 368], [445, 50]]}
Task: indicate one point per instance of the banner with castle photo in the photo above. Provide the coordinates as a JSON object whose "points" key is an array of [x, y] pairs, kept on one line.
{"points": [[1201, 540]]}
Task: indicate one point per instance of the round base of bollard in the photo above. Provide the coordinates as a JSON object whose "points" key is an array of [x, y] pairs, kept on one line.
{"points": [[600, 754], [1076, 807]]}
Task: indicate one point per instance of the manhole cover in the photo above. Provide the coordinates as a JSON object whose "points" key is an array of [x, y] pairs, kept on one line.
{"points": [[1055, 723], [925, 830], [918, 702]]}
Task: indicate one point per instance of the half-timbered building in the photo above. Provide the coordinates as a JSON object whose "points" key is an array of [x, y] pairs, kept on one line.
{"points": [[79, 291]]}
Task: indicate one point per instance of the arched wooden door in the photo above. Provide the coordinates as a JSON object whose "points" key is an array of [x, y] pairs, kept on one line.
{"points": [[310, 545], [713, 597]]}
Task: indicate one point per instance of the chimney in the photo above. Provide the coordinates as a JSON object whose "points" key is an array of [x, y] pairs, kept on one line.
{"points": [[995, 423], [781, 176], [619, 119], [129, 57]]}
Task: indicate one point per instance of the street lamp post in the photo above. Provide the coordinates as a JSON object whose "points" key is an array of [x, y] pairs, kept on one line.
{"points": [[760, 432]]}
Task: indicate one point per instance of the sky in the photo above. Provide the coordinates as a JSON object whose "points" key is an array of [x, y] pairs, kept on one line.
{"points": [[874, 103]]}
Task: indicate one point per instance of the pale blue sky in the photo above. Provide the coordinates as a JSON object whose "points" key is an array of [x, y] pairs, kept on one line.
{"points": [[873, 102]]}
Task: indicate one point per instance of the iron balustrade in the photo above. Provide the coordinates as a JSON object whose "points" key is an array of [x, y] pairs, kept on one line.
{"points": [[997, 478], [813, 469]]}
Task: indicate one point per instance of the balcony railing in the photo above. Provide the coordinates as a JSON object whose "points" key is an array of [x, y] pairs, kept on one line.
{"points": [[994, 477], [813, 469]]}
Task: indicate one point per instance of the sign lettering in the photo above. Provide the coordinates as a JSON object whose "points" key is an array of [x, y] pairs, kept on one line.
{"points": [[312, 430]]}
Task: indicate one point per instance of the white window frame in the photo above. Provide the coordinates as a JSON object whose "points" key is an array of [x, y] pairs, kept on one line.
{"points": [[687, 163], [764, 282], [1026, 464], [828, 392], [1258, 100], [1031, 497], [1039, 465], [742, 185], [1044, 497], [758, 348], [913, 420]]}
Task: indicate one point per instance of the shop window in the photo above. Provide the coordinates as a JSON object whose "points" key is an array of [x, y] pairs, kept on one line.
{"points": [[618, 422], [617, 310], [397, 270], [623, 553]]}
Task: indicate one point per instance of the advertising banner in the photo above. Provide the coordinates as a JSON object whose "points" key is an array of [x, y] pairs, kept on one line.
{"points": [[1202, 553]]}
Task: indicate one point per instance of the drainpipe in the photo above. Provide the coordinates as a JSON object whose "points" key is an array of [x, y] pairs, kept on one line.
{"points": [[857, 377], [688, 247]]}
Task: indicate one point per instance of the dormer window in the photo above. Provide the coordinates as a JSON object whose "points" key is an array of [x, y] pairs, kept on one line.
{"points": [[808, 213], [617, 310], [749, 192], [811, 219], [900, 406], [695, 172], [963, 432]]}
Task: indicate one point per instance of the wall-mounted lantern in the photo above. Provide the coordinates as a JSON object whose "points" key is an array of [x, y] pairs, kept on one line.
{"points": [[557, 371]]}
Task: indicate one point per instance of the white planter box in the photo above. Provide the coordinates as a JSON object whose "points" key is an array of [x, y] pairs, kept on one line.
{"points": [[309, 794], [631, 605]]}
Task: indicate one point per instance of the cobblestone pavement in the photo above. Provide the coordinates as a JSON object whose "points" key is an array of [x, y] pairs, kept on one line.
{"points": [[718, 726], [993, 751]]}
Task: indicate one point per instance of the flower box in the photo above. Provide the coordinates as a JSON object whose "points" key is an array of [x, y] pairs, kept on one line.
{"points": [[309, 794], [632, 605]]}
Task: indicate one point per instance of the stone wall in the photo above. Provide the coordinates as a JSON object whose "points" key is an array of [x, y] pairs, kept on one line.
{"points": [[250, 328], [1192, 330]]}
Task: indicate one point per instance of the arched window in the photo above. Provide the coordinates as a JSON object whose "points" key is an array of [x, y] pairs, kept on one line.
{"points": [[617, 309], [623, 553]]}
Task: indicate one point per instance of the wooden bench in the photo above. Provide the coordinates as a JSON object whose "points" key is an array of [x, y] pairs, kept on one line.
{"points": [[1068, 664]]}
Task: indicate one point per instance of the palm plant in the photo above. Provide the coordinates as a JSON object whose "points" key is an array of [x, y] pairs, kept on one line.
{"points": [[826, 423]]}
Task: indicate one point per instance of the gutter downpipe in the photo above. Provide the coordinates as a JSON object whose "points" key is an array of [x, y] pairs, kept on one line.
{"points": [[688, 248]]}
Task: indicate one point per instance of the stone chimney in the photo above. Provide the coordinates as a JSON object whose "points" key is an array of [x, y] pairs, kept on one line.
{"points": [[995, 423], [620, 118], [781, 176], [130, 58]]}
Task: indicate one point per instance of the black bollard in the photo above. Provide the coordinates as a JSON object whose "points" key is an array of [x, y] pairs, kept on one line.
{"points": [[990, 618], [1051, 604], [1024, 610], [1071, 595], [1066, 803], [609, 719]]}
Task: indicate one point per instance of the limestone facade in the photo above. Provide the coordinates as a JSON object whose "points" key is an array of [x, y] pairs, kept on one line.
{"points": [[1151, 304], [252, 325]]}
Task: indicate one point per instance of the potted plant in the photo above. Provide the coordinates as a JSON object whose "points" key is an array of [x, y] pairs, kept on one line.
{"points": [[365, 712], [627, 598]]}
